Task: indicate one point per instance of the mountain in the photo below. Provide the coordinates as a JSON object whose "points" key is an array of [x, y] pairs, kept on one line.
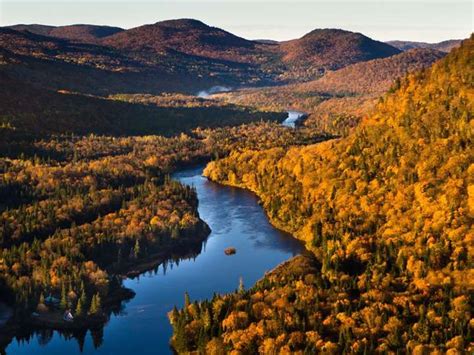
{"points": [[59, 64], [340, 97], [373, 76], [444, 46], [331, 49], [31, 45], [186, 36], [299, 59], [52, 86], [80, 33], [178, 55], [387, 215]]}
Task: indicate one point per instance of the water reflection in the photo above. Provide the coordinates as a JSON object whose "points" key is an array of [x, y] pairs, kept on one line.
{"points": [[141, 325]]}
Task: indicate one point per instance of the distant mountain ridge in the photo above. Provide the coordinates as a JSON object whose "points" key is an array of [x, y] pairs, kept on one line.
{"points": [[97, 69], [79, 32], [188, 45], [444, 46]]}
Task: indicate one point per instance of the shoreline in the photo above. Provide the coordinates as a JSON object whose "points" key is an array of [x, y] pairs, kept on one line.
{"points": [[272, 221], [53, 320]]}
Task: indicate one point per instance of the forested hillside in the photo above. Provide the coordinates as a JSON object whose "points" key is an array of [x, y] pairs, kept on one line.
{"points": [[188, 36], [387, 213], [95, 68], [374, 76], [183, 55], [78, 213], [329, 49], [26, 109], [338, 100]]}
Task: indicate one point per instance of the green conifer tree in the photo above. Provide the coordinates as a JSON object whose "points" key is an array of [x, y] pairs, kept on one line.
{"points": [[64, 304]]}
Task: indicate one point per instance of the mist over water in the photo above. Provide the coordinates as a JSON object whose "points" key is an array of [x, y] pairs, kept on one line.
{"points": [[204, 94]]}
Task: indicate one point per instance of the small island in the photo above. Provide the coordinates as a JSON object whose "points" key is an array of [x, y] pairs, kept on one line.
{"points": [[230, 251]]}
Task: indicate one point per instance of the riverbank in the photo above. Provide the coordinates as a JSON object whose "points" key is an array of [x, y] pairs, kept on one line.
{"points": [[53, 320], [188, 245], [273, 221], [235, 219]]}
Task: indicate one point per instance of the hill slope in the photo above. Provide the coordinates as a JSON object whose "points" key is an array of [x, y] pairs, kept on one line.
{"points": [[97, 69], [39, 112], [387, 213], [331, 49], [351, 91], [187, 53], [187, 36], [374, 76]]}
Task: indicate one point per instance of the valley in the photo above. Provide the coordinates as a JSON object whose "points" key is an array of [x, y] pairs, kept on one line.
{"points": [[337, 168]]}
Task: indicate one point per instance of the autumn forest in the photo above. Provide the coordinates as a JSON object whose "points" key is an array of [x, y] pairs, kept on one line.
{"points": [[374, 180]]}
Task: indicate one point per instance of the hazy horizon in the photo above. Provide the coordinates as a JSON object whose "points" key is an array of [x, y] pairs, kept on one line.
{"points": [[379, 19]]}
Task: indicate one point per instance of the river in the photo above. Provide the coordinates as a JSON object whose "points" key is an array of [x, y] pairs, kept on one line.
{"points": [[236, 220], [293, 118]]}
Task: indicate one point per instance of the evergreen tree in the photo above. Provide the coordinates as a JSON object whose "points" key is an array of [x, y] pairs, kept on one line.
{"points": [[136, 249], [64, 304], [187, 300], [95, 305], [241, 285], [206, 319], [81, 304], [41, 299]]}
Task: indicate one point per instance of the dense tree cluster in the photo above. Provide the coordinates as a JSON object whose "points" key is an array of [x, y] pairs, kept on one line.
{"points": [[336, 101], [67, 226], [387, 213], [75, 211]]}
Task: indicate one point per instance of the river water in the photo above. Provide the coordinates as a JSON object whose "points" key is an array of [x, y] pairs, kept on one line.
{"points": [[293, 118], [236, 220]]}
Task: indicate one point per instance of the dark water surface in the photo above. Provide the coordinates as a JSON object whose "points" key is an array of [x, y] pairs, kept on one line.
{"points": [[236, 220]]}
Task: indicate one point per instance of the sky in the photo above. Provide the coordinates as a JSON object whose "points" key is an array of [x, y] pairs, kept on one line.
{"points": [[415, 20]]}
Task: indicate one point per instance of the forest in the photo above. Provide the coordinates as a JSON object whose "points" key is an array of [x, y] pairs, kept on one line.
{"points": [[78, 212], [69, 225], [387, 215], [338, 100], [377, 182], [41, 112]]}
